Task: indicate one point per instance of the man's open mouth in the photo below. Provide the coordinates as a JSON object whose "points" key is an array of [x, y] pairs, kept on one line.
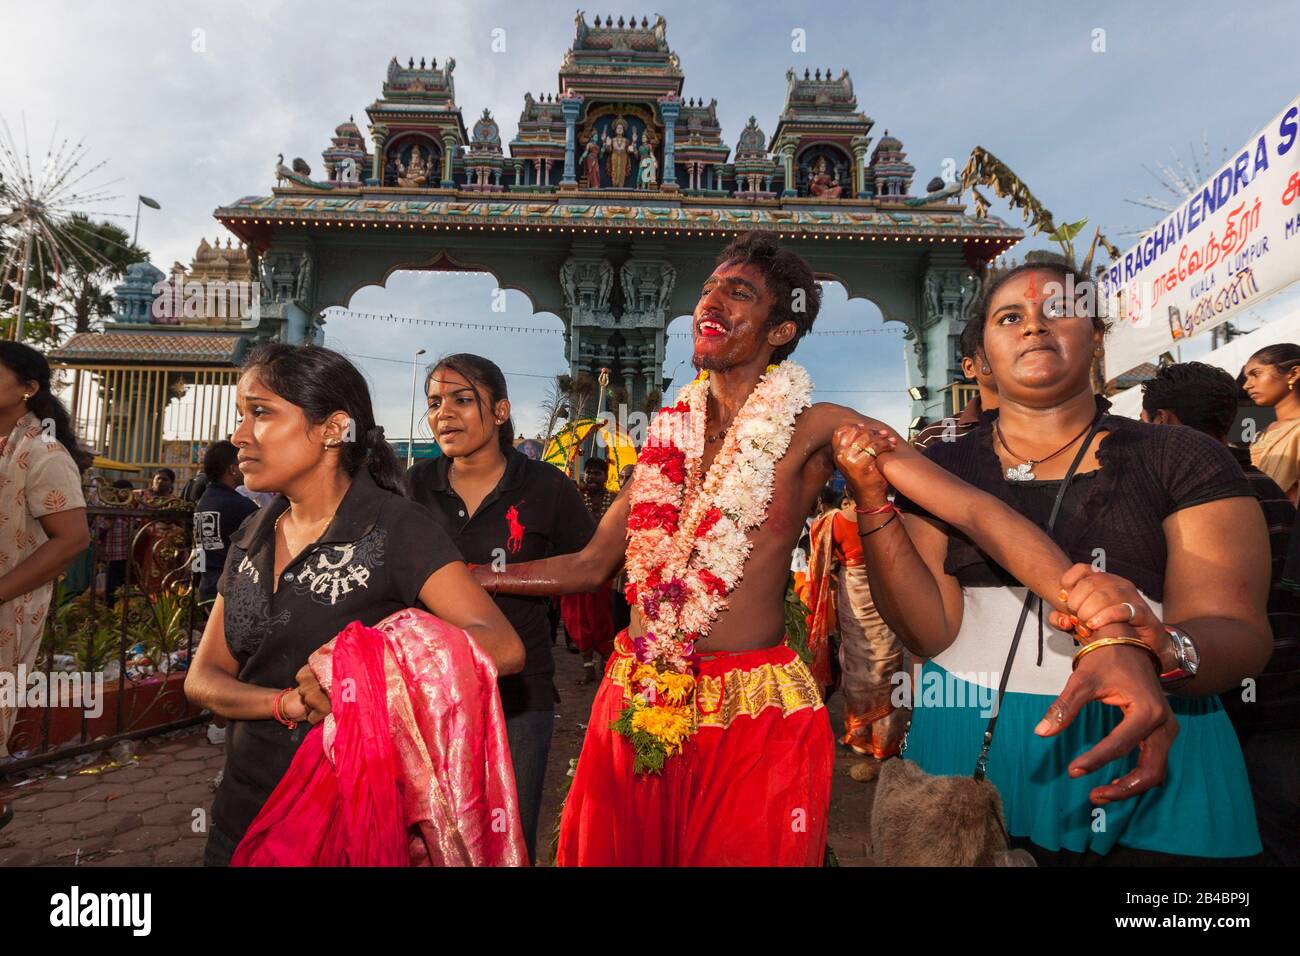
{"points": [[710, 328]]}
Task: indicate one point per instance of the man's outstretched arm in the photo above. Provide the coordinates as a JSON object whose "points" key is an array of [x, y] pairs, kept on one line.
{"points": [[578, 573]]}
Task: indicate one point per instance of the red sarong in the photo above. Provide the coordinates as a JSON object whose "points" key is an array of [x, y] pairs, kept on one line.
{"points": [[751, 788], [589, 620]]}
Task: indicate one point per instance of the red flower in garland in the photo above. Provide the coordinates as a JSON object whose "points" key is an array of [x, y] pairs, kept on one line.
{"points": [[712, 583], [711, 517], [670, 459], [648, 515]]}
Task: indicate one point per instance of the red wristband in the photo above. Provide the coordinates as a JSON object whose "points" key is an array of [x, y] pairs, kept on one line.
{"points": [[278, 714]]}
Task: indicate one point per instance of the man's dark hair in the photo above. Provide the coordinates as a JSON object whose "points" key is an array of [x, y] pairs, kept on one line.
{"points": [[784, 273], [124, 484], [218, 459], [971, 335], [595, 461], [1202, 396], [166, 473]]}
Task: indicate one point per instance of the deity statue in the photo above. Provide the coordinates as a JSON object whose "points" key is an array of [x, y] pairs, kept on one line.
{"points": [[822, 184], [416, 172], [591, 161], [619, 148], [647, 174]]}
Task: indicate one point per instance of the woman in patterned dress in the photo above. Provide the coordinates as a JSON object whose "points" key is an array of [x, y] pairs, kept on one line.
{"points": [[42, 512]]}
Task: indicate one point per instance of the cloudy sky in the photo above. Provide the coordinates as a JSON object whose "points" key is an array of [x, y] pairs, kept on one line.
{"points": [[190, 103]]}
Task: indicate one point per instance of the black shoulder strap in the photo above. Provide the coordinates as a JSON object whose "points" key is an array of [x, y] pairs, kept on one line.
{"points": [[981, 765]]}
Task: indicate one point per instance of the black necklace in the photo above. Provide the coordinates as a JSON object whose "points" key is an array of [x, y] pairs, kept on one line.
{"points": [[1025, 470]]}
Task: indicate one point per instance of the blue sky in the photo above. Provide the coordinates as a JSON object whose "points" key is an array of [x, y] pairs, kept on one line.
{"points": [[196, 119]]}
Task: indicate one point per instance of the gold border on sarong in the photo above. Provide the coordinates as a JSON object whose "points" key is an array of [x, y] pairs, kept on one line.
{"points": [[741, 693]]}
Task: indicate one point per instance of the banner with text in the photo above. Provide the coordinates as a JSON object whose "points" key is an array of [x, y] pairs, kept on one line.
{"points": [[1234, 242]]}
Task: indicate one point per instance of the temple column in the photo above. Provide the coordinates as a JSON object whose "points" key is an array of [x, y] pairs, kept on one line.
{"points": [[546, 175], [537, 171], [859, 144], [448, 154], [571, 103], [787, 162], [378, 136], [669, 108]]}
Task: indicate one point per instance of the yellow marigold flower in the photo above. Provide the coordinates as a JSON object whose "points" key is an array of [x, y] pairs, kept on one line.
{"points": [[676, 688], [671, 725]]}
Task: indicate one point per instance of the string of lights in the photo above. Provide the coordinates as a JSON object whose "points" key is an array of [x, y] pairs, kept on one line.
{"points": [[498, 327]]}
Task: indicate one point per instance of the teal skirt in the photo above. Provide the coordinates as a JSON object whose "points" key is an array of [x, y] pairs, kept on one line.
{"points": [[1204, 807]]}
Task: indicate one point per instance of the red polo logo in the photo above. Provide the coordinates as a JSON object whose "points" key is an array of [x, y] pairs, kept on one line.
{"points": [[516, 539]]}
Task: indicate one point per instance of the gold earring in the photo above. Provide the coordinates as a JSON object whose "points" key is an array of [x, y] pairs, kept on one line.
{"points": [[985, 370], [27, 397]]}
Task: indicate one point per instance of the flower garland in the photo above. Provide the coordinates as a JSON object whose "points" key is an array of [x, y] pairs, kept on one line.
{"points": [[691, 545]]}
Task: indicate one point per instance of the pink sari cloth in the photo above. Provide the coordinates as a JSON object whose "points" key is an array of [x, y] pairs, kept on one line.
{"points": [[411, 767]]}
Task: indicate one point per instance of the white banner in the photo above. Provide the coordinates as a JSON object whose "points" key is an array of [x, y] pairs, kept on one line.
{"points": [[1234, 242]]}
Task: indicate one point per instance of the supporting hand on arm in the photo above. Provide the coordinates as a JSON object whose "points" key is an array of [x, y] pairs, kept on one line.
{"points": [[1118, 675]]}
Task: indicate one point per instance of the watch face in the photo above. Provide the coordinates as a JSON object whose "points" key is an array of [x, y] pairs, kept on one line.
{"points": [[1188, 658]]}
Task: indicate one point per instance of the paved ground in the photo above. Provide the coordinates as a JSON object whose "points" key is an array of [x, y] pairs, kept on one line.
{"points": [[149, 808]]}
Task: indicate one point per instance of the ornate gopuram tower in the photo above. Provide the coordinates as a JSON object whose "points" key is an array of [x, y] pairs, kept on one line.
{"points": [[611, 203]]}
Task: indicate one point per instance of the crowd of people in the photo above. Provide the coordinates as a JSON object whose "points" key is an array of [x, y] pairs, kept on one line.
{"points": [[1118, 599]]}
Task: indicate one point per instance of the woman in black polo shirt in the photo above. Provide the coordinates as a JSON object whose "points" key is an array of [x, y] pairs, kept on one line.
{"points": [[499, 507], [338, 544]]}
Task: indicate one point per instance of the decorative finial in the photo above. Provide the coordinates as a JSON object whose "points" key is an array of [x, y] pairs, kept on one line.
{"points": [[620, 23], [806, 74], [422, 63], [410, 64]]}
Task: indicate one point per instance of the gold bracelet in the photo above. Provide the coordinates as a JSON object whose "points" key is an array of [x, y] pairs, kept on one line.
{"points": [[1115, 642]]}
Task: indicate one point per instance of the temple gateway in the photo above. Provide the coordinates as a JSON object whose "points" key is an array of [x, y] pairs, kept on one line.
{"points": [[610, 205]]}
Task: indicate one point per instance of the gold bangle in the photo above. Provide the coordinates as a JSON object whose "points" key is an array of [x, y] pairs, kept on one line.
{"points": [[1115, 642]]}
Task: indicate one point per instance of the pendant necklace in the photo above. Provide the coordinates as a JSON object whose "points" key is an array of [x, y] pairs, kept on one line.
{"points": [[1025, 470]]}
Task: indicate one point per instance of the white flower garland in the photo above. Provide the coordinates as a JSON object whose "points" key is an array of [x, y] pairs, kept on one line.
{"points": [[681, 579]]}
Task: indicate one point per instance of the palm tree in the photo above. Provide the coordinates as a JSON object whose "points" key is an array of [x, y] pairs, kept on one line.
{"points": [[985, 169], [99, 258]]}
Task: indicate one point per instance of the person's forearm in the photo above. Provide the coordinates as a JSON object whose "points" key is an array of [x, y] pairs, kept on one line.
{"points": [[1009, 538], [41, 566], [505, 649], [549, 577], [903, 588], [1230, 651], [228, 696]]}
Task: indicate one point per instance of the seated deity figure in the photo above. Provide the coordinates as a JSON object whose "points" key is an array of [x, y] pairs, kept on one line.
{"points": [[822, 184], [416, 172]]}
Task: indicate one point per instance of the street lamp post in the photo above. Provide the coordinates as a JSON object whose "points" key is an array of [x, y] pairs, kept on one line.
{"points": [[152, 204], [410, 434]]}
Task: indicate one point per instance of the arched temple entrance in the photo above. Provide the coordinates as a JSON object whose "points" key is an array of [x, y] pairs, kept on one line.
{"points": [[619, 259]]}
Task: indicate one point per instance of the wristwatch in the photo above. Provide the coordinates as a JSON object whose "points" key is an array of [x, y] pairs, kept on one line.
{"points": [[1187, 659]]}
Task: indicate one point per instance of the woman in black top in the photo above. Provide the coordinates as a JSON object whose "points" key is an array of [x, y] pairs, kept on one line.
{"points": [[1173, 554], [338, 544], [499, 506]]}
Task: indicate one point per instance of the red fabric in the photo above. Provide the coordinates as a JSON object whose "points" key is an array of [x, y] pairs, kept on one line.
{"points": [[756, 793], [589, 620], [348, 813], [848, 545], [412, 767]]}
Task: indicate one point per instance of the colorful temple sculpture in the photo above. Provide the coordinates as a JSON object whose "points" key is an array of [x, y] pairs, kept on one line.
{"points": [[157, 384], [611, 202]]}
